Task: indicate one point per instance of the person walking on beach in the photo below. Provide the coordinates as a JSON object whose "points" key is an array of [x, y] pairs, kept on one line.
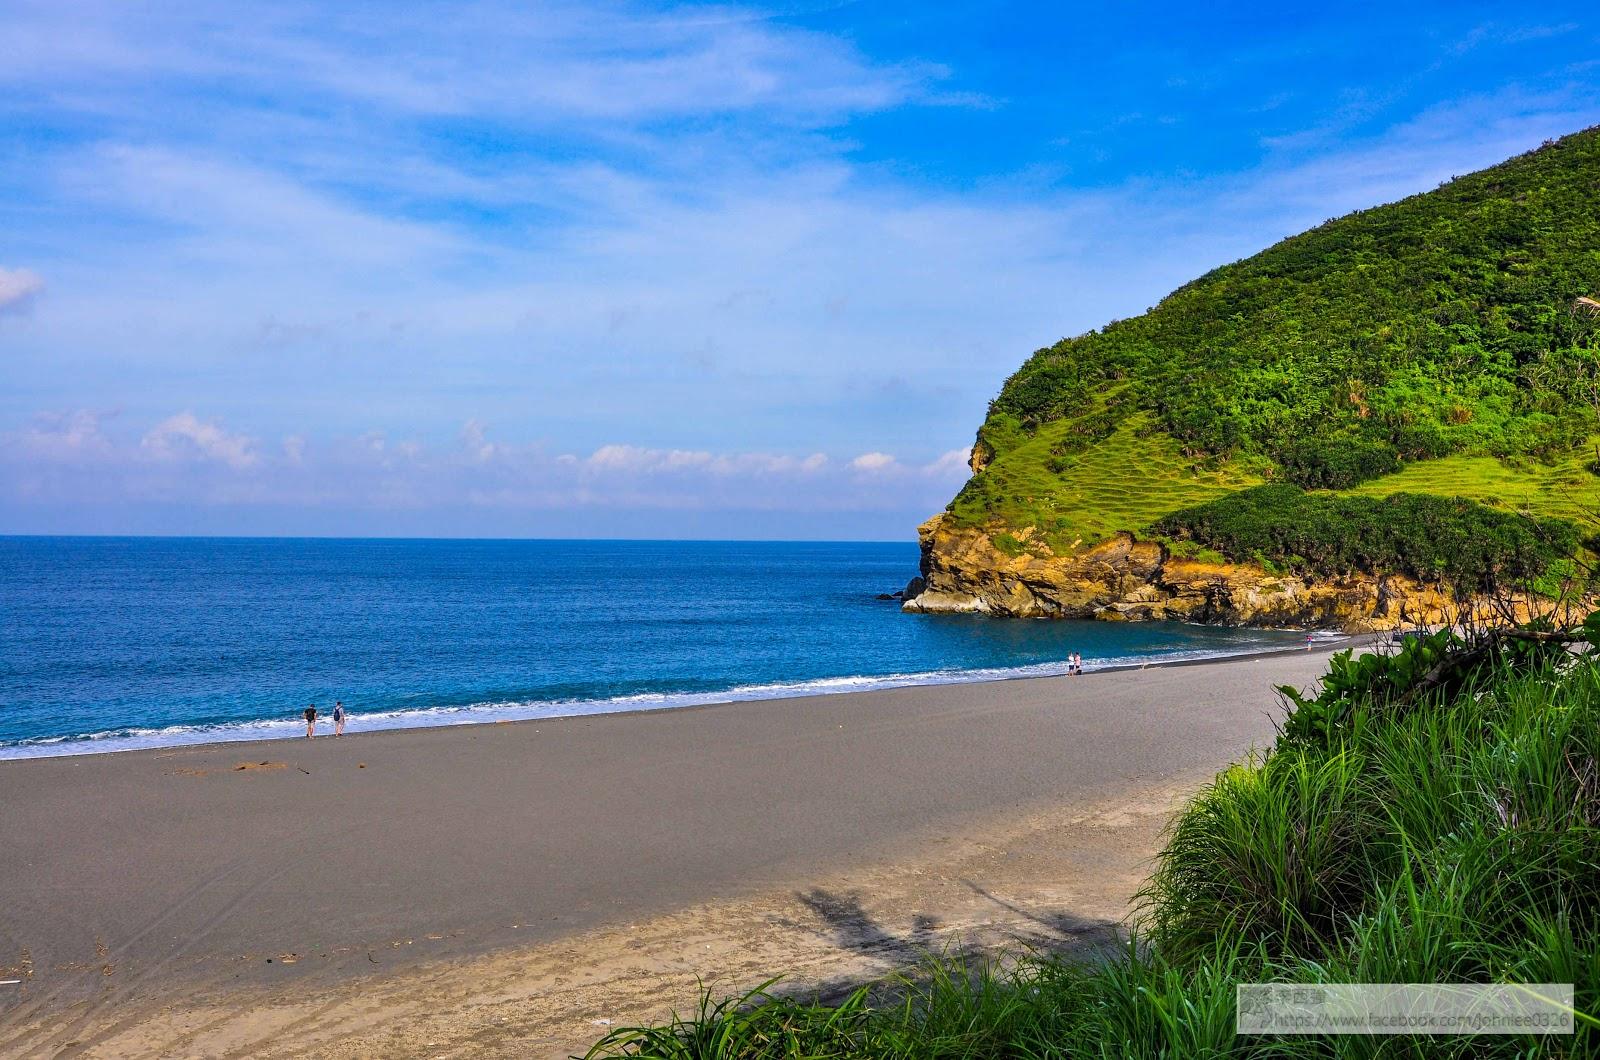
{"points": [[311, 720], [1077, 665], [1309, 638], [338, 717]]}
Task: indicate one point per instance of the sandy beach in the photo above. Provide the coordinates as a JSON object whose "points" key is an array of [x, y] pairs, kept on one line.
{"points": [[514, 889]]}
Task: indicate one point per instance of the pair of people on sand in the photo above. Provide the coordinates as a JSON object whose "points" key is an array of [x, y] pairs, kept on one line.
{"points": [[1074, 664], [338, 719]]}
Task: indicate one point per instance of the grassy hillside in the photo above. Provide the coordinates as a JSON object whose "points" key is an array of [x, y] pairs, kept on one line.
{"points": [[1407, 827], [1434, 345]]}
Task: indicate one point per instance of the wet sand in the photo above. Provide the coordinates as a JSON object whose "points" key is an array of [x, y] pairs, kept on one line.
{"points": [[504, 889]]}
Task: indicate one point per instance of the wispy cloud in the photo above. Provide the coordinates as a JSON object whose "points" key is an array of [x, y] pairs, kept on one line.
{"points": [[63, 439], [247, 219], [633, 459], [541, 61], [1495, 33], [18, 288]]}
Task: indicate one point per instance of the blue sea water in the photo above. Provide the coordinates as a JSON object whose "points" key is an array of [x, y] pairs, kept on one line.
{"points": [[111, 643]]}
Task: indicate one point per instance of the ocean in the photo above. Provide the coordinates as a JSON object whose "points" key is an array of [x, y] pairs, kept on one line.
{"points": [[114, 643]]}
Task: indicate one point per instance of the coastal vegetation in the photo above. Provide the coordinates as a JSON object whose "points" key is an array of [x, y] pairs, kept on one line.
{"points": [[1471, 547], [1442, 345], [1427, 815]]}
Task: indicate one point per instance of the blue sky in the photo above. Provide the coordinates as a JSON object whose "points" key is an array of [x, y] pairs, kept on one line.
{"points": [[531, 269]]}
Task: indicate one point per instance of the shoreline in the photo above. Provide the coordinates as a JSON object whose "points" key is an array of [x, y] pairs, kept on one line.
{"points": [[429, 718], [465, 875]]}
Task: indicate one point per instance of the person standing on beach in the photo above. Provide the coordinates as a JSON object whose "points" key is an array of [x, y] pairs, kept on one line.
{"points": [[1310, 636], [311, 720], [338, 717], [1077, 665]]}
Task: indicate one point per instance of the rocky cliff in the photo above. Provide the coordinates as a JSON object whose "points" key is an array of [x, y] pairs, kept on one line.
{"points": [[1125, 579]]}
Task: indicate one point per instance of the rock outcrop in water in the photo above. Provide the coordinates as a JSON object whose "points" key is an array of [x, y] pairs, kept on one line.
{"points": [[1124, 579]]}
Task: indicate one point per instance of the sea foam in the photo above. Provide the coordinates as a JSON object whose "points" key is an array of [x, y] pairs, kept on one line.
{"points": [[127, 739]]}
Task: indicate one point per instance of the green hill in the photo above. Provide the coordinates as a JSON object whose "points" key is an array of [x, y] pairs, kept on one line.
{"points": [[1441, 346]]}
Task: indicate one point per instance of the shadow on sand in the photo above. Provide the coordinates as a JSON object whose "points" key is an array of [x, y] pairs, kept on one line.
{"points": [[845, 920]]}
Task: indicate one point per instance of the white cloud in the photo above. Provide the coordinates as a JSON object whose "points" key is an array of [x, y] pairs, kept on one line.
{"points": [[873, 462], [187, 459], [640, 460], [633, 458], [185, 436], [956, 464], [18, 289], [947, 467]]}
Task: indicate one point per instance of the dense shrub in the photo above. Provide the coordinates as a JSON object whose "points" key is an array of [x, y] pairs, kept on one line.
{"points": [[1421, 442], [1337, 463], [1052, 391], [1459, 543]]}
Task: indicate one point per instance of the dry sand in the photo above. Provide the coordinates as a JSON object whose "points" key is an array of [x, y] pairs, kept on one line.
{"points": [[505, 890]]}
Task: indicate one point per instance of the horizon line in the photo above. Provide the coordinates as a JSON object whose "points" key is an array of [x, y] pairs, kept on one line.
{"points": [[7, 535]]}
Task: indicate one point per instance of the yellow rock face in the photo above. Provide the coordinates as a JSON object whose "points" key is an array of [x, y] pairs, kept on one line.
{"points": [[1124, 579]]}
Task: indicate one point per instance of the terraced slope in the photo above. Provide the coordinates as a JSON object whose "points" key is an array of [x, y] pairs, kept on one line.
{"points": [[1125, 481], [1563, 485]]}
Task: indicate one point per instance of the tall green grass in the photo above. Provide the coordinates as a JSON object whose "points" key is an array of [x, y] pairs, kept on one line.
{"points": [[1444, 837]]}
